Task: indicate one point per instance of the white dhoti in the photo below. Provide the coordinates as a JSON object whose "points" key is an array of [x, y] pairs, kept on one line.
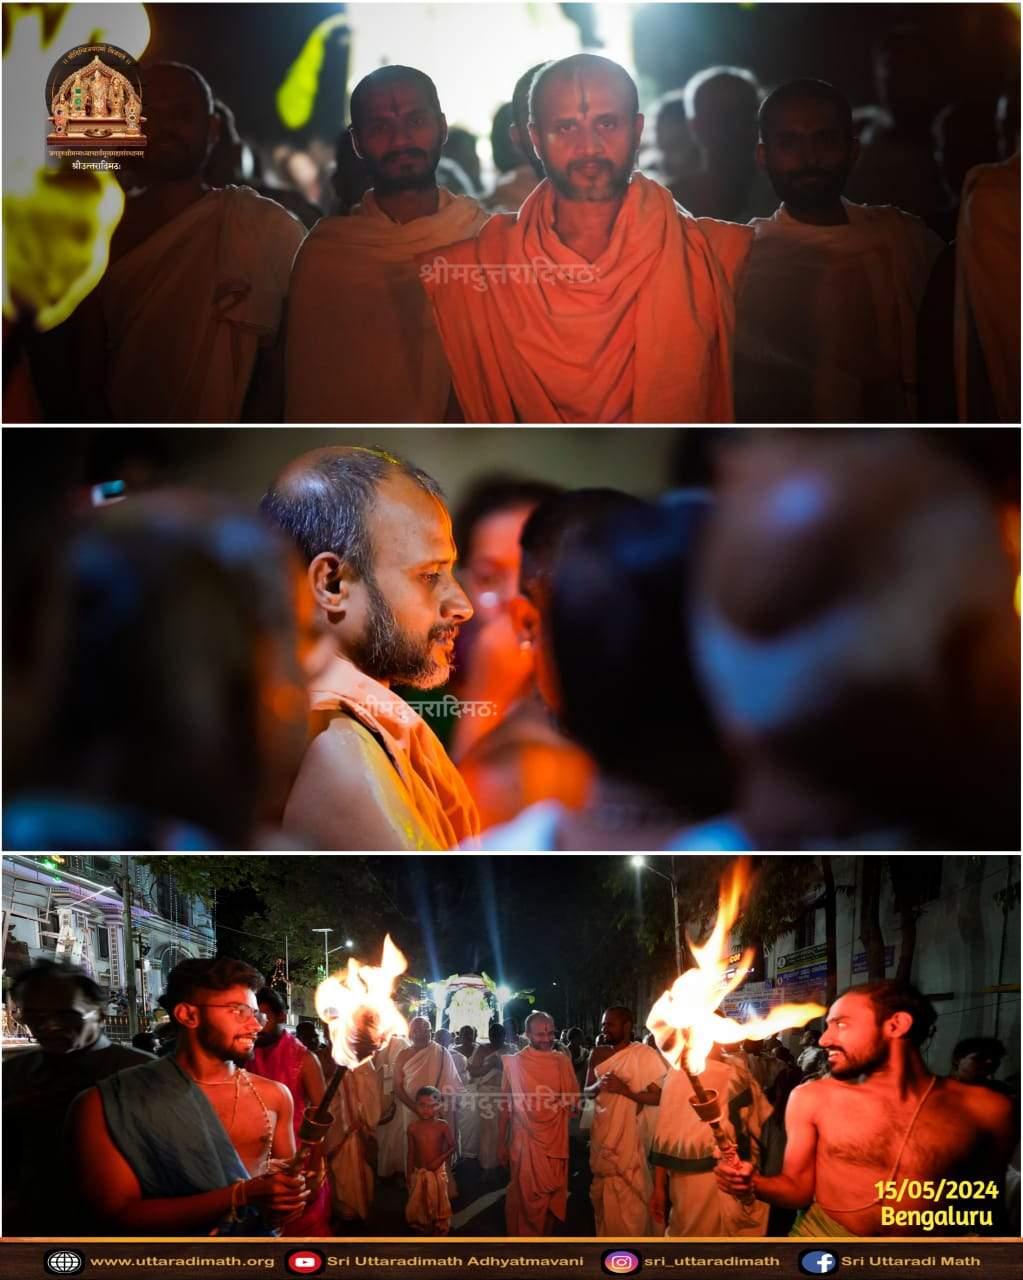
{"points": [[622, 1180], [488, 1100], [392, 1141], [684, 1145], [429, 1206], [356, 1116], [469, 1123], [186, 311]]}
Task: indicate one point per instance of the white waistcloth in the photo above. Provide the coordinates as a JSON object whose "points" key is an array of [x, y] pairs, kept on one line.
{"points": [[622, 1182]]}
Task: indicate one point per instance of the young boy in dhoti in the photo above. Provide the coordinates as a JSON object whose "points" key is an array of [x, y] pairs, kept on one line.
{"points": [[430, 1143]]}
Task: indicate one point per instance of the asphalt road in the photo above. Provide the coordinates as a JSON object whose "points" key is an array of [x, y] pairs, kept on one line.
{"points": [[479, 1208]]}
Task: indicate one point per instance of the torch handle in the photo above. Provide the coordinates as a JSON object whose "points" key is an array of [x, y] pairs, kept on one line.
{"points": [[323, 1110], [706, 1106]]}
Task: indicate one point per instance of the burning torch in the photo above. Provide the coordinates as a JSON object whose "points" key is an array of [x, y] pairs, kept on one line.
{"points": [[361, 1017], [685, 1021]]}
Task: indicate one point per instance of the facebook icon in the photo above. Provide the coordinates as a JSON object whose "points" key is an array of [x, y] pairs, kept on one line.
{"points": [[817, 1262]]}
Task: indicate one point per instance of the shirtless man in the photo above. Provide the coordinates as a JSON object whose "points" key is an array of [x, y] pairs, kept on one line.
{"points": [[188, 1144], [881, 1122]]}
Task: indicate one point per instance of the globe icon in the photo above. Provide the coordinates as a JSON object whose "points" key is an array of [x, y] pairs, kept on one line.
{"points": [[64, 1262]]}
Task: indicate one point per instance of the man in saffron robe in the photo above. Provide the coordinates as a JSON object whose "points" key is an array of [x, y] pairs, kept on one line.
{"points": [[187, 323], [541, 1092], [601, 300], [376, 537], [987, 347], [362, 346]]}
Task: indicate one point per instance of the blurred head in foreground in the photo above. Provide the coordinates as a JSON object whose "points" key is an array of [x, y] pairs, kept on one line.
{"points": [[627, 692], [855, 632], [181, 706]]}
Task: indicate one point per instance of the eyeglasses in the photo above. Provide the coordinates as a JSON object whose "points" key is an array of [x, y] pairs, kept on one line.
{"points": [[242, 1012]]}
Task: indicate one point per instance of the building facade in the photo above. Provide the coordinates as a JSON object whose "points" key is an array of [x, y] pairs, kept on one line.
{"points": [[965, 955], [71, 908]]}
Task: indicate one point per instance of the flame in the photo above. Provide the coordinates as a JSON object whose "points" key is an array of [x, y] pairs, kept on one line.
{"points": [[684, 1021], [358, 1009]]}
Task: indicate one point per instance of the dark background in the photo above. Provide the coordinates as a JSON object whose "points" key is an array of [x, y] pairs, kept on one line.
{"points": [[245, 50]]}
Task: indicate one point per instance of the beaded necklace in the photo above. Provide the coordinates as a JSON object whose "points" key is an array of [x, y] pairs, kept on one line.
{"points": [[242, 1076]]}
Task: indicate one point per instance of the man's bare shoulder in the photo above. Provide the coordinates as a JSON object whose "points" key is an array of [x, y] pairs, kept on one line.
{"points": [[344, 747], [808, 1098], [989, 1108], [276, 1096]]}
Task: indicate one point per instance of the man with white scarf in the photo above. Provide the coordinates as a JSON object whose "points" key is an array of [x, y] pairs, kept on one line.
{"points": [[627, 1081]]}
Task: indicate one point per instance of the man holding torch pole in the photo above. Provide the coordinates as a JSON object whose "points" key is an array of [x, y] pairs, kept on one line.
{"points": [[882, 1146], [193, 1144]]}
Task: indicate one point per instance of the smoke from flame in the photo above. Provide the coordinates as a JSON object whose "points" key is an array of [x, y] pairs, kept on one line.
{"points": [[684, 1022], [358, 1009]]}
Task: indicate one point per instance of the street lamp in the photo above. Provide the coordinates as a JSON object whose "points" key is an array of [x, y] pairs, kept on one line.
{"points": [[326, 966], [639, 863]]}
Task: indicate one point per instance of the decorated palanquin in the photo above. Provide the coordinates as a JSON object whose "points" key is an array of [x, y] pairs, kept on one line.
{"points": [[96, 106]]}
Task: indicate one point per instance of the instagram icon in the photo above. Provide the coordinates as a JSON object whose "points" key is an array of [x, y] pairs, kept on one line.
{"points": [[621, 1262]]}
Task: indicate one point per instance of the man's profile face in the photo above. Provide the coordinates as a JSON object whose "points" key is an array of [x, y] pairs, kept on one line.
{"points": [[586, 134], [61, 1017], [854, 1040], [808, 154], [399, 135], [275, 1021], [467, 1034], [541, 1034], [412, 608], [179, 127], [222, 1026]]}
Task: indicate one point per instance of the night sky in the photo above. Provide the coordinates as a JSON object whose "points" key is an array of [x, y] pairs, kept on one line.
{"points": [[564, 926]]}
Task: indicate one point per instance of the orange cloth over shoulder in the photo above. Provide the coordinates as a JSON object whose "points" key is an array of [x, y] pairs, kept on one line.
{"points": [[435, 791], [535, 333]]}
